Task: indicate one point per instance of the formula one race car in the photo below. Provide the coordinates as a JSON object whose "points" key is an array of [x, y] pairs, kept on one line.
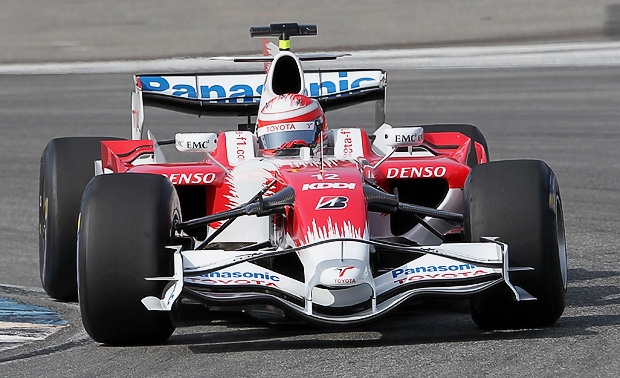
{"points": [[285, 217]]}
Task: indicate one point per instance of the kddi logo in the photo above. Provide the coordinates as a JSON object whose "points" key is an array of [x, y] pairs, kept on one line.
{"points": [[328, 185], [332, 202]]}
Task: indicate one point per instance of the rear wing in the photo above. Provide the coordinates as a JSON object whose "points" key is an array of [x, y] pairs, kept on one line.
{"points": [[238, 93]]}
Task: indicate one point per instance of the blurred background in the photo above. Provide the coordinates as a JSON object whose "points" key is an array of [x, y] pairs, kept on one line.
{"points": [[76, 30]]}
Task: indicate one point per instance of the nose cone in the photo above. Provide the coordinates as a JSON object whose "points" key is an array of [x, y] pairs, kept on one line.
{"points": [[342, 276]]}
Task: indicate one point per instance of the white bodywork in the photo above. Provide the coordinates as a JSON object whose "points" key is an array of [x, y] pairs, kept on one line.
{"points": [[340, 282]]}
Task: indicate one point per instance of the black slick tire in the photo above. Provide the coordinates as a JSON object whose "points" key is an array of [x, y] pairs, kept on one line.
{"points": [[519, 202], [126, 225], [67, 165]]}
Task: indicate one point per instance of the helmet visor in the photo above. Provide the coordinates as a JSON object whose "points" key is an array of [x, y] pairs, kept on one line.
{"points": [[275, 140], [275, 135]]}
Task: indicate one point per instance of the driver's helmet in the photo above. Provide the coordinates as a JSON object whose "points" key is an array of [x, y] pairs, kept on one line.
{"points": [[290, 120]]}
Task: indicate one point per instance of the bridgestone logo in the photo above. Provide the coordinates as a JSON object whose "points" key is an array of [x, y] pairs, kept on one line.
{"points": [[332, 202], [328, 185]]}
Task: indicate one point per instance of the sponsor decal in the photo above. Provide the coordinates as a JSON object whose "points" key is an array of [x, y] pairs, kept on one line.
{"points": [[344, 280], [190, 178], [408, 138], [341, 276], [420, 277], [241, 143], [239, 146], [404, 136], [328, 185], [194, 144], [225, 274], [290, 126], [248, 88], [332, 202], [341, 272], [348, 143], [416, 172], [436, 272], [432, 268], [237, 278], [280, 127]]}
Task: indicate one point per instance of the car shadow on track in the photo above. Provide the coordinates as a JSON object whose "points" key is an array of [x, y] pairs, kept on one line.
{"points": [[593, 288], [427, 322]]}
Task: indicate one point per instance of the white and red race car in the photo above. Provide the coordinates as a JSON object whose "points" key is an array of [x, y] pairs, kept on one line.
{"points": [[338, 229]]}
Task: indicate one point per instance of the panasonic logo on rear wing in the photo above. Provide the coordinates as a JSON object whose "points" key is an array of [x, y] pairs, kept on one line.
{"points": [[247, 88]]}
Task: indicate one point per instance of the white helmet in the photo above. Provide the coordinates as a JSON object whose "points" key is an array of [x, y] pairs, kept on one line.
{"points": [[290, 120]]}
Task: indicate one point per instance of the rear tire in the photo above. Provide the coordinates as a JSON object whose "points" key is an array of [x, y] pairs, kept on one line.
{"points": [[126, 223], [67, 165], [519, 202]]}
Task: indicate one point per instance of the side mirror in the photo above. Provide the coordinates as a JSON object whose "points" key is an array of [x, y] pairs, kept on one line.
{"points": [[403, 137], [195, 142]]}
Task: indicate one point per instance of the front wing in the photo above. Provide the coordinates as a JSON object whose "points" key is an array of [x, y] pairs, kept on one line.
{"points": [[455, 269]]}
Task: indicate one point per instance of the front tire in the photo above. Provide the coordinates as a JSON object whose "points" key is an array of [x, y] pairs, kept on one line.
{"points": [[519, 202], [126, 224]]}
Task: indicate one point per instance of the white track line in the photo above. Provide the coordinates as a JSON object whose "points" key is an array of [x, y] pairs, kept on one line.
{"points": [[33, 322], [13, 335], [606, 54]]}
